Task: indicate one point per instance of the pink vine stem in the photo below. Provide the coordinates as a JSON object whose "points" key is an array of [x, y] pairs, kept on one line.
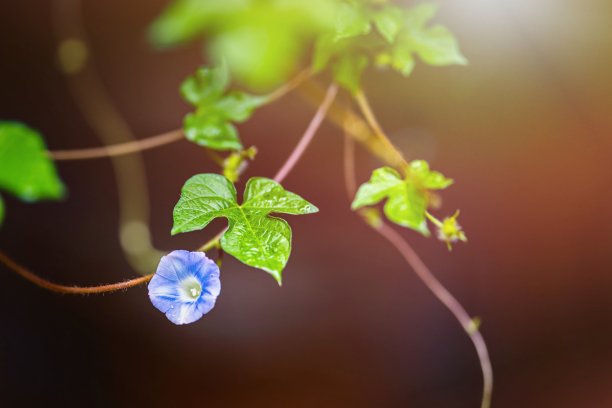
{"points": [[306, 138], [427, 277]]}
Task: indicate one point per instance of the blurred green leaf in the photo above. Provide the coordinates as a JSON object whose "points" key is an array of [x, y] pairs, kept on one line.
{"points": [[183, 20], [324, 50], [25, 169], [348, 69], [259, 54], [389, 21], [262, 41], [206, 86], [418, 16], [253, 236], [402, 60], [351, 21], [400, 35], [435, 45]]}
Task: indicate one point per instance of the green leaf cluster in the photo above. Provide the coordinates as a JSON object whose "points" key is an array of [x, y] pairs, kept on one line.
{"points": [[253, 236], [211, 125], [262, 41], [26, 171], [407, 198], [388, 35]]}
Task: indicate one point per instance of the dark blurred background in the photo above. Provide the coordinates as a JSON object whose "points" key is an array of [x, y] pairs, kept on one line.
{"points": [[525, 132]]}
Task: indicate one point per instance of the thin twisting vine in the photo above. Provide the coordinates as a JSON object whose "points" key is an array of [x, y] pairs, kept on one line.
{"points": [[345, 38], [423, 272]]}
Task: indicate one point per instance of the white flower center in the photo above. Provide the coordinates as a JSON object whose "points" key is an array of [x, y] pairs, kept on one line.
{"points": [[190, 288]]}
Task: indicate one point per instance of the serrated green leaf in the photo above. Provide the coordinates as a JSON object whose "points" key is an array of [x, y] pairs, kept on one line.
{"points": [[204, 197], [253, 236], [351, 21], [406, 205], [206, 86], [211, 124], [381, 184], [25, 169], [389, 21], [348, 69], [260, 242], [264, 194], [211, 130], [407, 198]]}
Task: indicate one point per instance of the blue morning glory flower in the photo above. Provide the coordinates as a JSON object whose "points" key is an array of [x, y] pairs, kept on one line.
{"points": [[185, 286]]}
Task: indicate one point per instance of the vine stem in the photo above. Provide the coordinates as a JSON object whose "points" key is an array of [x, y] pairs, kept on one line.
{"points": [[444, 296], [96, 106], [366, 109], [350, 180], [118, 149], [346, 119], [80, 290], [306, 138], [163, 139], [286, 88], [293, 159], [426, 276], [296, 154]]}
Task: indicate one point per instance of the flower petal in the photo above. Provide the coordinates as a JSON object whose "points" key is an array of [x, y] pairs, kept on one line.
{"points": [[184, 313], [177, 270]]}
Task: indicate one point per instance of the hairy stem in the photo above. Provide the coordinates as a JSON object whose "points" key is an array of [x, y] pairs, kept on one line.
{"points": [[80, 290]]}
